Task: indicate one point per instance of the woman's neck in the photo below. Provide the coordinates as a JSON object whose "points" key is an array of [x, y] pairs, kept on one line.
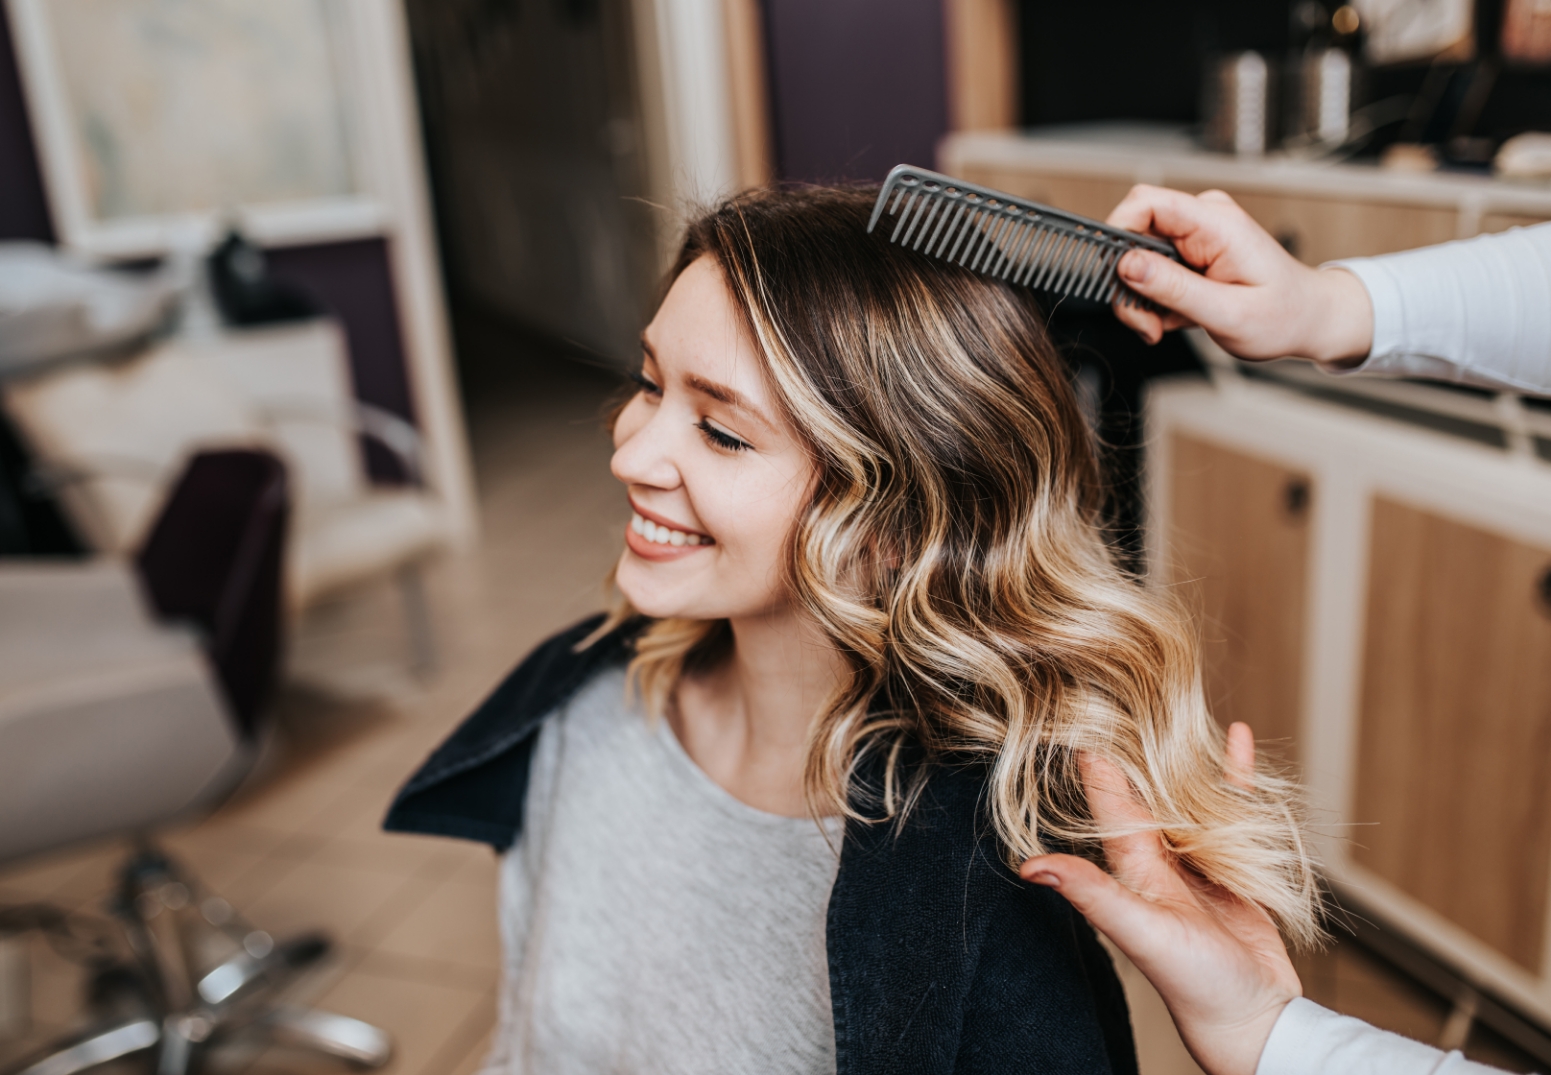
{"points": [[746, 721]]}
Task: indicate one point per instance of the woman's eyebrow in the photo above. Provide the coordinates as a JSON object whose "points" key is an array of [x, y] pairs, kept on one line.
{"points": [[718, 392], [721, 393]]}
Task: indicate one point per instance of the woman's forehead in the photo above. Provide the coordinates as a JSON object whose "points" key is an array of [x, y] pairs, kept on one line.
{"points": [[699, 336]]}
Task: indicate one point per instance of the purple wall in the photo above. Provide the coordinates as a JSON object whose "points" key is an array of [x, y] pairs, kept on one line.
{"points": [[352, 279], [353, 282], [857, 86], [23, 210]]}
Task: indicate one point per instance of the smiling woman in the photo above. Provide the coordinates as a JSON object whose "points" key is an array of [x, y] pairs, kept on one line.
{"points": [[870, 621]]}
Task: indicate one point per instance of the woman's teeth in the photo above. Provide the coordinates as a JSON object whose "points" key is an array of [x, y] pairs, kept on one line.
{"points": [[661, 535]]}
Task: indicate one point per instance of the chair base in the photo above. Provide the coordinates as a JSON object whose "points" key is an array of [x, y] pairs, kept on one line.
{"points": [[161, 1003]]}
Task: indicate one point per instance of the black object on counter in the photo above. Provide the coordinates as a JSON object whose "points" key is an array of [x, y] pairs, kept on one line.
{"points": [[245, 291]]}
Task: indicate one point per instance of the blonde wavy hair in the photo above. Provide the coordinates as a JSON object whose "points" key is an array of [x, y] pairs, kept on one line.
{"points": [[953, 552]]}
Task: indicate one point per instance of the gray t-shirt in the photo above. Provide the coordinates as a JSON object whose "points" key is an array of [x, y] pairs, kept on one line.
{"points": [[652, 923]]}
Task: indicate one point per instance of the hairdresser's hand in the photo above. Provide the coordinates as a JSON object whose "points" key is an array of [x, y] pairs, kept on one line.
{"points": [[1251, 296], [1217, 961]]}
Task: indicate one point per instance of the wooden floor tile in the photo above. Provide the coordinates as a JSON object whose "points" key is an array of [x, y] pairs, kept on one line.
{"points": [[57, 875], [474, 1058], [342, 900], [1374, 992], [455, 924]]}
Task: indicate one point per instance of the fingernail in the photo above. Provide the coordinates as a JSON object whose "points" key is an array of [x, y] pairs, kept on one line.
{"points": [[1046, 878], [1136, 267]]}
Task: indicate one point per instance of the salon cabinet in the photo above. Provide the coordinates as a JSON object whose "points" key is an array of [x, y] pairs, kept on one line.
{"points": [[1319, 210], [1454, 723], [1375, 600], [1239, 547]]}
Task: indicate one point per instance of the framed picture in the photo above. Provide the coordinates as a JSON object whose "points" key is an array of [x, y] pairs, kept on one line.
{"points": [[157, 121], [1410, 31], [160, 122]]}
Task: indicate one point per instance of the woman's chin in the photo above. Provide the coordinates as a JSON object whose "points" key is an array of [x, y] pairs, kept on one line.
{"points": [[649, 593]]}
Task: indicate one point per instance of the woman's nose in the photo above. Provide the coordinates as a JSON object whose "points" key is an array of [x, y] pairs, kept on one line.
{"points": [[642, 448]]}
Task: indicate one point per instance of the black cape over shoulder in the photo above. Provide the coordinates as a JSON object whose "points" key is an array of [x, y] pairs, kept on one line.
{"points": [[941, 959]]}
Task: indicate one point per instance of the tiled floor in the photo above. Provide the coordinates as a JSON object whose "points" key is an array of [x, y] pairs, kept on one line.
{"points": [[299, 847]]}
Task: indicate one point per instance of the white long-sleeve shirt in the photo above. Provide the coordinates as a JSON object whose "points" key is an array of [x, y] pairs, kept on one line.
{"points": [[1310, 1040], [1474, 312]]}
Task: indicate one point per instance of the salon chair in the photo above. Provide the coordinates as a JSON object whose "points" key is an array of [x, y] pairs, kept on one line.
{"points": [[107, 437], [133, 694]]}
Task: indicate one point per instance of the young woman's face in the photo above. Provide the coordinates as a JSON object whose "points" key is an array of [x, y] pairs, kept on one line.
{"points": [[716, 477]]}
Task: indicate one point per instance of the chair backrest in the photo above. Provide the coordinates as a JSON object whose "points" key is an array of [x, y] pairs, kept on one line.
{"points": [[115, 434], [214, 557], [118, 431]]}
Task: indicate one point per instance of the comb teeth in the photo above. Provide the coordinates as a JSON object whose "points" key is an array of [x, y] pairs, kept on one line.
{"points": [[1008, 238]]}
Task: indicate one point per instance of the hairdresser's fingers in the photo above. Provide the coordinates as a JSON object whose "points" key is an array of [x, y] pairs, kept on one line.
{"points": [[1206, 302], [1110, 796], [1149, 931], [1225, 995], [1168, 214], [1134, 213], [1136, 854], [1143, 322], [1139, 927], [1211, 231], [1241, 755], [1148, 324], [1165, 937]]}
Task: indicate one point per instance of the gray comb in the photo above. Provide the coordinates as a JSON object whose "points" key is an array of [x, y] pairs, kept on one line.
{"points": [[1008, 238]]}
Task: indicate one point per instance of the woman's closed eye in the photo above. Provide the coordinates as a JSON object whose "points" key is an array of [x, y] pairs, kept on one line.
{"points": [[645, 383], [720, 438]]}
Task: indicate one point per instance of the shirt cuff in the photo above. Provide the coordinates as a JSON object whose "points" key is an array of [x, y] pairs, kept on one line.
{"points": [[1308, 1039], [1387, 302]]}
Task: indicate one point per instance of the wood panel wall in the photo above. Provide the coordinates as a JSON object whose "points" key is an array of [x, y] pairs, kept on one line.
{"points": [[748, 92], [982, 42]]}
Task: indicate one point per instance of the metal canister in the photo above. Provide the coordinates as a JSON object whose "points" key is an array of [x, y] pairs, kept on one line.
{"points": [[1239, 104], [1327, 84]]}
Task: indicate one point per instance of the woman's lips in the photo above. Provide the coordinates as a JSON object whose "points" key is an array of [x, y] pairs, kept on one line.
{"points": [[652, 539]]}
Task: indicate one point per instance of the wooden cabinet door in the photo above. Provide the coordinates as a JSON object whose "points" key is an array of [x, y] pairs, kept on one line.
{"points": [[1238, 546], [1453, 789]]}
